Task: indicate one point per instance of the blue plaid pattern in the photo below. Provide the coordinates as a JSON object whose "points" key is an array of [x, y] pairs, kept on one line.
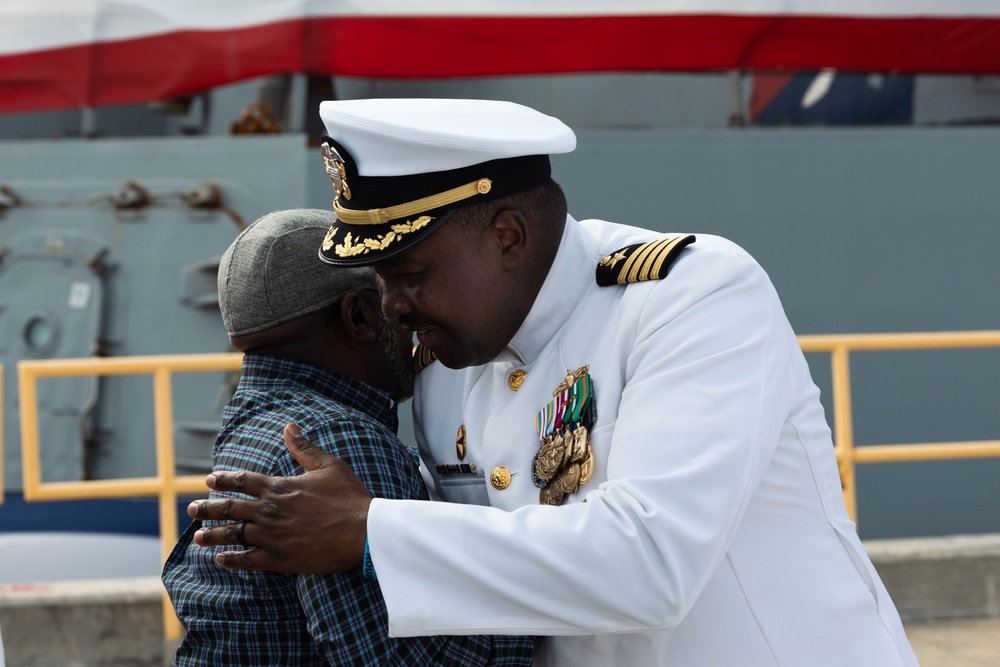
{"points": [[268, 618]]}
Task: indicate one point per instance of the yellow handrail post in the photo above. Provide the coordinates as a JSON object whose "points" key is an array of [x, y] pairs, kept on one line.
{"points": [[164, 420], [843, 426], [31, 473]]}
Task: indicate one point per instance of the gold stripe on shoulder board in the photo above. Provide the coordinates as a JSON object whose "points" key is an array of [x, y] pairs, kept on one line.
{"points": [[641, 261], [422, 358]]}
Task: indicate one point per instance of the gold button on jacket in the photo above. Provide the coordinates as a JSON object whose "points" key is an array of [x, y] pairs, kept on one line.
{"points": [[516, 379], [500, 478]]}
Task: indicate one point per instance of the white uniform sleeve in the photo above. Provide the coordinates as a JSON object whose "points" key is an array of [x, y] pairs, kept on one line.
{"points": [[706, 392]]}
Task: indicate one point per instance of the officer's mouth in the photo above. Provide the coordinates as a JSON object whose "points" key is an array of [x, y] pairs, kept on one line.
{"points": [[429, 336], [427, 332]]}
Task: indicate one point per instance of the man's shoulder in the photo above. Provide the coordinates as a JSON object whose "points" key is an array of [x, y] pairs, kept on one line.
{"points": [[257, 418], [370, 446], [610, 236], [277, 403]]}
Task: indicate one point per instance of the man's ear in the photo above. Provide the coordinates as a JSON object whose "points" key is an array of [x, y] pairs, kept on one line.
{"points": [[356, 318], [511, 230]]}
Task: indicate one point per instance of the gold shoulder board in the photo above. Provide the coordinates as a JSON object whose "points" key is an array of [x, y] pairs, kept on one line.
{"points": [[422, 358], [641, 261]]}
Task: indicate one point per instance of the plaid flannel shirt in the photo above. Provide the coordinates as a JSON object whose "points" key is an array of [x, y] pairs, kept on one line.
{"points": [[268, 618]]}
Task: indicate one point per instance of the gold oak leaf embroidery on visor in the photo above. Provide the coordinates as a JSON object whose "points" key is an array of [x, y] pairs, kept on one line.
{"points": [[350, 247], [328, 240]]}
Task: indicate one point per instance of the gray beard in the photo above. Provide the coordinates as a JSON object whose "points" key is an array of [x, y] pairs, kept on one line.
{"points": [[400, 364]]}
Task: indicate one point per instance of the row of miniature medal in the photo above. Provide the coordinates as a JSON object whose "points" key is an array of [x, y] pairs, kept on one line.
{"points": [[565, 459]]}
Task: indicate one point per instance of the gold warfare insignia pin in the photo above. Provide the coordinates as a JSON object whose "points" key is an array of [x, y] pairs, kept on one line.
{"points": [[460, 442]]}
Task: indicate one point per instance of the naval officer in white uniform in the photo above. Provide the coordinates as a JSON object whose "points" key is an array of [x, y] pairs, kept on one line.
{"points": [[635, 457]]}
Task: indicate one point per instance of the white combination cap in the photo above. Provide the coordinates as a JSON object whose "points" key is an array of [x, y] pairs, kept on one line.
{"points": [[401, 167]]}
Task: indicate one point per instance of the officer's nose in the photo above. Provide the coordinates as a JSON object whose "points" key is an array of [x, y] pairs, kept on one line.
{"points": [[394, 303]]}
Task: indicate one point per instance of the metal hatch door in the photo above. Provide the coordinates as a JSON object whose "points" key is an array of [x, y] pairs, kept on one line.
{"points": [[51, 301]]}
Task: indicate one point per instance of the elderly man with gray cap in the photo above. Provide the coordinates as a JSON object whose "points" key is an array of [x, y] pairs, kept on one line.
{"points": [[318, 352]]}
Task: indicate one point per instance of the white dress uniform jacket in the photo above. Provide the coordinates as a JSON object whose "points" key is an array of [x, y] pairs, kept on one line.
{"points": [[713, 530]]}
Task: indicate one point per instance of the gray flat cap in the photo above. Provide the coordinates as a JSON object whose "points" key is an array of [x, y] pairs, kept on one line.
{"points": [[272, 272]]}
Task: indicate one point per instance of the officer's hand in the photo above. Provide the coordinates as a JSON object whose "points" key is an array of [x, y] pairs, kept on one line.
{"points": [[312, 523]]}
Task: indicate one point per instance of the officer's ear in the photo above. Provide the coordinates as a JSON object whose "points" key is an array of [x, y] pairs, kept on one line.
{"points": [[512, 234], [355, 317]]}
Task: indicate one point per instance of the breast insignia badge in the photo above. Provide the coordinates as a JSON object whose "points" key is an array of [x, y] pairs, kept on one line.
{"points": [[565, 459]]}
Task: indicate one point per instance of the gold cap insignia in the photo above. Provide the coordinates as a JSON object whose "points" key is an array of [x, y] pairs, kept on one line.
{"points": [[334, 164]]}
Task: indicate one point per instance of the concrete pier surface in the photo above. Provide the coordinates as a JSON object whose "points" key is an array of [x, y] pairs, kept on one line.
{"points": [[947, 590], [972, 642]]}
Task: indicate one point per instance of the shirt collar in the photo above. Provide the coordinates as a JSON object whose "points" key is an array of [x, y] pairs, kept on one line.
{"points": [[572, 271], [266, 373]]}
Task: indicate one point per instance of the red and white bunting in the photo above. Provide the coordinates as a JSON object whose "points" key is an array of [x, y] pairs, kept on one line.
{"points": [[69, 53]]}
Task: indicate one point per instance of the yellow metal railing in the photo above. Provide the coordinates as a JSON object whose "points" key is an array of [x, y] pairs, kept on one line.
{"points": [[167, 485], [848, 456]]}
